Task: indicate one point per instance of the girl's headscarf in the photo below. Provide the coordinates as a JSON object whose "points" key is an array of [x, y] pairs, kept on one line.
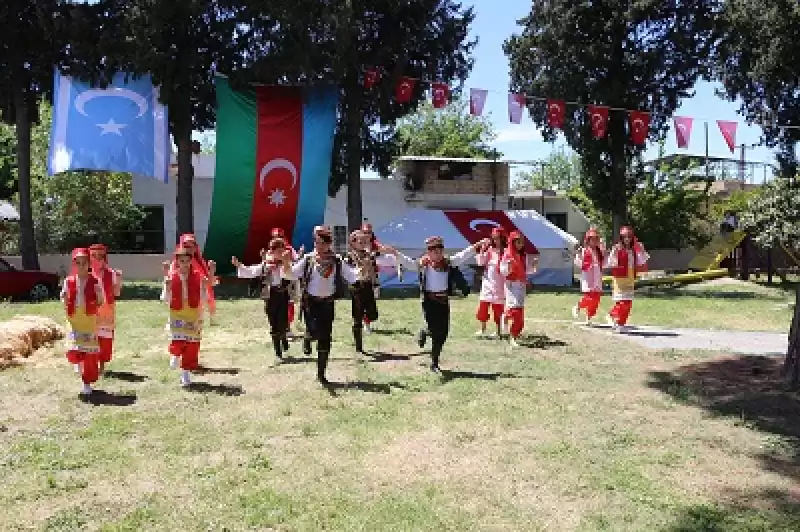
{"points": [[197, 258], [516, 257], [592, 233], [95, 264], [77, 252]]}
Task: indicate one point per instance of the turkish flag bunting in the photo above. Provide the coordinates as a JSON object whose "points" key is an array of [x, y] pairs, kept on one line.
{"points": [[639, 122], [683, 130], [404, 89], [477, 100], [516, 103], [371, 77], [599, 118], [556, 109], [440, 94], [728, 130]]}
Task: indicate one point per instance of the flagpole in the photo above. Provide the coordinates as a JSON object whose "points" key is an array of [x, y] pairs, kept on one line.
{"points": [[707, 171]]}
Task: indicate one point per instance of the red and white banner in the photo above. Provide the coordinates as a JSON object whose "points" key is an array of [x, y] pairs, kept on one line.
{"points": [[404, 89], [598, 115], [683, 130], [477, 100], [440, 95], [728, 130], [639, 123], [477, 225], [371, 77], [556, 110], [516, 103]]}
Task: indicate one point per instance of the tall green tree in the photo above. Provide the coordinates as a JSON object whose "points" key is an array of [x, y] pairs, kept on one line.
{"points": [[757, 64], [558, 171], [644, 54], [448, 132], [338, 41], [772, 215]]}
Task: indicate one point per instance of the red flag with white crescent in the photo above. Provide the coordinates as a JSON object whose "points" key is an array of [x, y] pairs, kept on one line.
{"points": [[556, 110], [371, 77], [474, 226], [639, 123], [516, 103], [728, 130], [477, 100], [683, 130], [440, 93], [404, 89], [598, 115]]}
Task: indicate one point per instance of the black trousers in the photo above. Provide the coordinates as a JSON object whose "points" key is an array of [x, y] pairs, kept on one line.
{"points": [[437, 319], [318, 315], [363, 303], [277, 310]]}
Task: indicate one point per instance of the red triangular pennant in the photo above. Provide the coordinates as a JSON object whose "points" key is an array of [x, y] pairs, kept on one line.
{"points": [[404, 89], [728, 130], [683, 130], [639, 123], [440, 94], [477, 100], [556, 110], [598, 115], [371, 77]]}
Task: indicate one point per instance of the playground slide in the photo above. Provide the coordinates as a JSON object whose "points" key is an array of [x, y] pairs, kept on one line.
{"points": [[681, 278], [715, 252]]}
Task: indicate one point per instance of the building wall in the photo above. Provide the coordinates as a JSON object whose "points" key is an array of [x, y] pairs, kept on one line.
{"points": [[134, 267], [577, 223]]}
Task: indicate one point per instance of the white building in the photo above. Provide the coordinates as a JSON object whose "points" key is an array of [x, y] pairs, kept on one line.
{"points": [[419, 182]]}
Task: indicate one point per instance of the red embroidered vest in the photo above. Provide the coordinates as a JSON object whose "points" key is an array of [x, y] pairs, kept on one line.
{"points": [[516, 266], [621, 269], [176, 290], [106, 276], [89, 295]]}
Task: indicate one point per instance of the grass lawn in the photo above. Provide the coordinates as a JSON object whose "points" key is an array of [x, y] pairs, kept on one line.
{"points": [[580, 430]]}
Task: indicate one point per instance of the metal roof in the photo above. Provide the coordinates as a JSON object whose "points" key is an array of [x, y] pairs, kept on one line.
{"points": [[447, 159]]}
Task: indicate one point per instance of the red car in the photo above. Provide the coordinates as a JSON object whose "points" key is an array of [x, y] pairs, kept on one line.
{"points": [[27, 284]]}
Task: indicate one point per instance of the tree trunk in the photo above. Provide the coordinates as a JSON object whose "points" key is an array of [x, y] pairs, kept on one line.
{"points": [[619, 174], [791, 365], [353, 136], [185, 198], [27, 235]]}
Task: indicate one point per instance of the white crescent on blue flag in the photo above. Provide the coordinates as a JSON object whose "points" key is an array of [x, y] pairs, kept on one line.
{"points": [[122, 128]]}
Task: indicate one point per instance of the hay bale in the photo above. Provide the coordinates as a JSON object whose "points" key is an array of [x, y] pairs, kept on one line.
{"points": [[21, 336]]}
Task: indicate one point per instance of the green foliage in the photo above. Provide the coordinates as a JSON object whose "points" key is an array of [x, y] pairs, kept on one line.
{"points": [[559, 171], [757, 63], [631, 55], [772, 215], [737, 202], [447, 132]]}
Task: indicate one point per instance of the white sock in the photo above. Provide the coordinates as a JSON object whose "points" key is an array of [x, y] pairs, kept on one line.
{"points": [[173, 362], [87, 389], [185, 378], [77, 368]]}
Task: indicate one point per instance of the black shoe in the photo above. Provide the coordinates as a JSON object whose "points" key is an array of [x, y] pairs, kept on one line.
{"points": [[435, 369], [285, 343], [422, 337], [306, 347], [322, 380]]}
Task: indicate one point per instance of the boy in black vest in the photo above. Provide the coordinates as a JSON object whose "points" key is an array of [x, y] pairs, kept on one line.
{"points": [[434, 282], [322, 276]]}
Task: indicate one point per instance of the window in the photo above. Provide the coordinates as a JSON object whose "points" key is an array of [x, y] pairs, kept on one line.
{"points": [[149, 238], [4, 266], [455, 171], [559, 219], [340, 239]]}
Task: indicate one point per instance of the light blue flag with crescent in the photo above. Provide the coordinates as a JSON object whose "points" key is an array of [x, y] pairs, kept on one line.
{"points": [[122, 128]]}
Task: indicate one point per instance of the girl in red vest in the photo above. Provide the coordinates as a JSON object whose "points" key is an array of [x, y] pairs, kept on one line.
{"points": [[82, 295], [185, 290], [493, 283], [626, 259], [590, 260], [516, 268], [206, 269], [111, 281]]}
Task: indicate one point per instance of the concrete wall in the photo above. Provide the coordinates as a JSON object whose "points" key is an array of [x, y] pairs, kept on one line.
{"points": [[669, 259], [134, 267], [577, 223]]}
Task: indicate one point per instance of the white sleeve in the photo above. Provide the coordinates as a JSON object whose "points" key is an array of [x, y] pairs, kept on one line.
{"points": [[611, 259], [407, 262], [386, 261], [297, 269], [462, 256], [505, 267], [482, 258], [165, 291], [349, 273], [63, 295], [248, 272], [642, 256]]}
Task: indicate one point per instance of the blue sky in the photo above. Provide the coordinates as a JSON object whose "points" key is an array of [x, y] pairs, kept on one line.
{"points": [[494, 24]]}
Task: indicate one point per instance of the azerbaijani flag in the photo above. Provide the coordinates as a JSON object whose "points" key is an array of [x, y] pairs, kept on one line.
{"points": [[273, 163]]}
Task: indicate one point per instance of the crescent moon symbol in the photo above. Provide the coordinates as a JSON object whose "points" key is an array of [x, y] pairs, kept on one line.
{"points": [[554, 107], [598, 120], [118, 92], [683, 128], [483, 221], [274, 164]]}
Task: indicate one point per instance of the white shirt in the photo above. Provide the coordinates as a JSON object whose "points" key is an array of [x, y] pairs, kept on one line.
{"points": [[80, 289], [436, 281], [275, 275], [166, 292], [319, 286], [492, 282]]}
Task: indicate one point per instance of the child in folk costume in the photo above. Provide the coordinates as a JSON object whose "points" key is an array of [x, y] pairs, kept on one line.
{"points": [[516, 266], [626, 259], [366, 260], [372, 246], [82, 294], [111, 281], [322, 275], [434, 281], [274, 289], [590, 260], [277, 232], [185, 291], [206, 268], [492, 294]]}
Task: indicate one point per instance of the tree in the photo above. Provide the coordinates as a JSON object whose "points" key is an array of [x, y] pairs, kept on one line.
{"points": [[772, 215], [448, 132], [338, 41], [627, 55], [757, 63], [30, 48], [559, 171]]}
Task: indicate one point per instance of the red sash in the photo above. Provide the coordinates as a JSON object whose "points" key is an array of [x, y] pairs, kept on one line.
{"points": [[89, 295], [176, 290]]}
